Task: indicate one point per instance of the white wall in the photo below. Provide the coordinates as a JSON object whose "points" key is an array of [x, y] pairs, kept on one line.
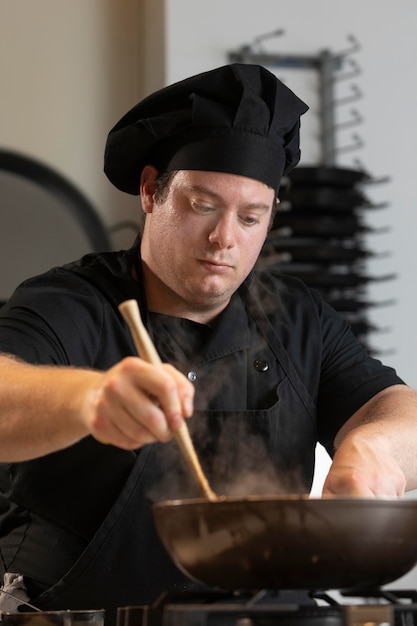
{"points": [[201, 34]]}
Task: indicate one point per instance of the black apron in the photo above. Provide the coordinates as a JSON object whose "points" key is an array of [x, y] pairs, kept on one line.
{"points": [[125, 563]]}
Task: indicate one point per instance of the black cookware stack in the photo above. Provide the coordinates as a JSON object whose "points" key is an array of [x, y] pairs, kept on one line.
{"points": [[320, 232], [319, 235]]}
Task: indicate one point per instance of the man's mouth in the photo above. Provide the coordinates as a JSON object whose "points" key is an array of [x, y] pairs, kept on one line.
{"points": [[215, 265]]}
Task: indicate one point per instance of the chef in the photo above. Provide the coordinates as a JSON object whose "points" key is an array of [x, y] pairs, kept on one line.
{"points": [[259, 365]]}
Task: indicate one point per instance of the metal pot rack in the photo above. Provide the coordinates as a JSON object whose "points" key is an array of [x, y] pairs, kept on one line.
{"points": [[326, 64], [284, 247]]}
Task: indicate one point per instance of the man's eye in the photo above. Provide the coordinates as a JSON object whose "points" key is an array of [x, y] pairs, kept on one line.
{"points": [[249, 220], [201, 208]]}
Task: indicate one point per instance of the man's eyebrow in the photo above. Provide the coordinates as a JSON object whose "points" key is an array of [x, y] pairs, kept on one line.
{"points": [[205, 190], [218, 197]]}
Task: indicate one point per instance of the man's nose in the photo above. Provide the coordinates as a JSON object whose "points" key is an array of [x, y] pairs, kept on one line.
{"points": [[223, 232]]}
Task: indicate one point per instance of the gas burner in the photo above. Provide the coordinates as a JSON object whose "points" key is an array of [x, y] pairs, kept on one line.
{"points": [[275, 608], [226, 609]]}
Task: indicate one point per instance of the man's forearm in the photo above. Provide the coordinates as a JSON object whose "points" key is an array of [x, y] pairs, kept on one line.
{"points": [[41, 408], [376, 447]]}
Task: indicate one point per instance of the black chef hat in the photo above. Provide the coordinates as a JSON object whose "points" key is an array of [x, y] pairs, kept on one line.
{"points": [[238, 119]]}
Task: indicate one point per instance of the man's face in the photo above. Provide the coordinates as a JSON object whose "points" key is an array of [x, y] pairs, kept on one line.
{"points": [[202, 240]]}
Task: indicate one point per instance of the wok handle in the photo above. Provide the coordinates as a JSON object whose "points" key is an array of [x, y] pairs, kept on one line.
{"points": [[143, 343]]}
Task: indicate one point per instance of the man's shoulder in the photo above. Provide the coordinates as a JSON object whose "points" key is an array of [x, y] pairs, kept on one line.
{"points": [[114, 263], [105, 275], [108, 272]]}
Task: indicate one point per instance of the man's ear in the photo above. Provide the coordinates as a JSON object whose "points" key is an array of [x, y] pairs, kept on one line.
{"points": [[147, 187]]}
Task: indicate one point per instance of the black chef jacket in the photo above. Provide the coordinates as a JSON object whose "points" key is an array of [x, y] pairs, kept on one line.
{"points": [[279, 371]]}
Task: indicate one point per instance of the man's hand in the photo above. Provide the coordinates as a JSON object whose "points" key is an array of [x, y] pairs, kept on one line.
{"points": [[46, 408], [376, 449], [364, 468], [138, 403]]}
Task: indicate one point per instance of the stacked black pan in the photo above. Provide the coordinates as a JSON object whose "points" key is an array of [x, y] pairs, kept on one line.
{"points": [[319, 235]]}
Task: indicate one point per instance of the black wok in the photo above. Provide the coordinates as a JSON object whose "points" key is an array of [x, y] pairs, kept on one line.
{"points": [[325, 198], [288, 224], [290, 542], [314, 250], [316, 277], [331, 176]]}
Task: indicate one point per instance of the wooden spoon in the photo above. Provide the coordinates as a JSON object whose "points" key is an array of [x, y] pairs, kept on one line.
{"points": [[130, 311]]}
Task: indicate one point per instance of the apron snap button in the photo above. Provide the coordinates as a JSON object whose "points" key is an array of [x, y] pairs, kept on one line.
{"points": [[261, 366], [192, 376]]}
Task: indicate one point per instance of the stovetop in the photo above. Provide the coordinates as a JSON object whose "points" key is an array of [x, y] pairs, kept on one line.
{"points": [[265, 608]]}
